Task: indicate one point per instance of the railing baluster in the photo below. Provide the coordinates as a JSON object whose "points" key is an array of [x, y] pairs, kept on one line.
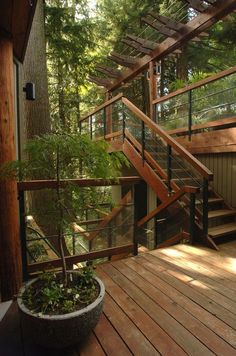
{"points": [[104, 123], [23, 235], [123, 120], [143, 142], [205, 207], [169, 168], [91, 126], [192, 217], [189, 115]]}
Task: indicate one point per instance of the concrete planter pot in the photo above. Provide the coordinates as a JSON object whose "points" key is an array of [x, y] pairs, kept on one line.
{"points": [[58, 331]]}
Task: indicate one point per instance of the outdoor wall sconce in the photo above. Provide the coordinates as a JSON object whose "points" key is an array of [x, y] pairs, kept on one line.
{"points": [[29, 89]]}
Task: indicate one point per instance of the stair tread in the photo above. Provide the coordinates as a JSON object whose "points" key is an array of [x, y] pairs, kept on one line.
{"points": [[221, 212], [221, 230], [211, 200]]}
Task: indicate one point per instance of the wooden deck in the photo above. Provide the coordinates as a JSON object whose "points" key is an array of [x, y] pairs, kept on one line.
{"points": [[173, 301]]}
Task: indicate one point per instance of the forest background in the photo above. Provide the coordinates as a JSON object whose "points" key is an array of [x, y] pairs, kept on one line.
{"points": [[80, 34]]}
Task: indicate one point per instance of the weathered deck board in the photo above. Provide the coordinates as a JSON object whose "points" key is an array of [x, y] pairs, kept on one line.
{"points": [[173, 301]]}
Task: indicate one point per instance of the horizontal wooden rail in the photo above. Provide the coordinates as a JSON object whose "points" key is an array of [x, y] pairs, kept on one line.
{"points": [[172, 199], [222, 123], [56, 263], [103, 106], [52, 184], [202, 82], [204, 171], [114, 134]]}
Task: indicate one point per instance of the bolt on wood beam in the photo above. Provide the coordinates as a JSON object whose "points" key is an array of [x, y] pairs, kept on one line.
{"points": [[197, 5]]}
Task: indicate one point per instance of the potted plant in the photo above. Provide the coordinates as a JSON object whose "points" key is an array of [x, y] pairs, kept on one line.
{"points": [[59, 309]]}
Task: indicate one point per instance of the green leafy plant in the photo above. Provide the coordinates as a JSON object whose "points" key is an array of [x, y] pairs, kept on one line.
{"points": [[62, 156], [49, 295]]}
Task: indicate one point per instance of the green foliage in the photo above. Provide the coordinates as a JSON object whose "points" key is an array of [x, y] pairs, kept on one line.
{"points": [[48, 295]]}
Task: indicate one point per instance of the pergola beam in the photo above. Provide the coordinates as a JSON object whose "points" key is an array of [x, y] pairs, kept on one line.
{"points": [[190, 30], [136, 46], [160, 28], [113, 73], [125, 61], [99, 81]]}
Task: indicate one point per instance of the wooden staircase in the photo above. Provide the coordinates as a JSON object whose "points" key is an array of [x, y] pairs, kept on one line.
{"points": [[168, 167]]}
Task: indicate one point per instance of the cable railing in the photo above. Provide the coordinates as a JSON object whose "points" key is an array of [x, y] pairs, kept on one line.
{"points": [[96, 232], [195, 106], [172, 165]]}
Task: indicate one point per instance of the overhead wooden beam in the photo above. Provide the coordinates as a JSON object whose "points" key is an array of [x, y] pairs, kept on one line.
{"points": [[99, 81], [170, 23], [136, 46], [125, 61], [142, 41], [160, 28], [114, 73], [168, 27], [190, 30]]}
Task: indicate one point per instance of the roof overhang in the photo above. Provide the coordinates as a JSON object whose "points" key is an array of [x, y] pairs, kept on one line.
{"points": [[16, 18]]}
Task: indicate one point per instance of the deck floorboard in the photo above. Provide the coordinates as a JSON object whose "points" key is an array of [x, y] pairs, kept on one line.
{"points": [[175, 301]]}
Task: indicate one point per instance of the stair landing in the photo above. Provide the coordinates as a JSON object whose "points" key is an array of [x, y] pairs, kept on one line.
{"points": [[173, 301]]}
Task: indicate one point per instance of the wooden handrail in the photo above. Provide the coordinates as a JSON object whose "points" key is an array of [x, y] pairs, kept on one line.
{"points": [[204, 171], [202, 82], [103, 106], [56, 263], [172, 199], [52, 184], [213, 124]]}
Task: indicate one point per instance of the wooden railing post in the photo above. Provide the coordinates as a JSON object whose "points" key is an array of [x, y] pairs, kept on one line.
{"points": [[143, 141], [169, 168], [190, 114], [123, 121], [108, 114], [152, 88], [10, 261]]}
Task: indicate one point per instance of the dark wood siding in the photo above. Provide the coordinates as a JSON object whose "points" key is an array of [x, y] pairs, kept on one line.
{"points": [[223, 165]]}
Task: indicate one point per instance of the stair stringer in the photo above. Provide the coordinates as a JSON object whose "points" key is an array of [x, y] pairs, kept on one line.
{"points": [[145, 171]]}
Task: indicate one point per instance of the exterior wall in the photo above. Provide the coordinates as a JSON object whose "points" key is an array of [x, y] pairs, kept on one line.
{"points": [[223, 165]]}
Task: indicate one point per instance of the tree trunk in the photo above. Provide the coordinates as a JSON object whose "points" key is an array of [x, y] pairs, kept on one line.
{"points": [[36, 115], [37, 118], [10, 260]]}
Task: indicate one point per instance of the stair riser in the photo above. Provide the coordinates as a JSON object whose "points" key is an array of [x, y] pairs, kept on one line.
{"points": [[220, 221]]}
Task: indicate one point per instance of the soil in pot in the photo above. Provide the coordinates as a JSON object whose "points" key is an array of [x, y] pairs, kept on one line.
{"points": [[66, 315]]}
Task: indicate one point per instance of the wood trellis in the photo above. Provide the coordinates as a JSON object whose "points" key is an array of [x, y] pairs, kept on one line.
{"points": [[175, 33]]}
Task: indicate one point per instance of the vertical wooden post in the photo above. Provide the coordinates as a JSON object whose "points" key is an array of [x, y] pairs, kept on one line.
{"points": [[152, 88], [108, 114], [10, 252]]}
